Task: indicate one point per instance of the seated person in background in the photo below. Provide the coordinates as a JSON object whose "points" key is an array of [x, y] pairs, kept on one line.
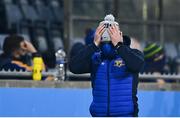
{"points": [[15, 54], [155, 61], [155, 58], [75, 48], [89, 38]]}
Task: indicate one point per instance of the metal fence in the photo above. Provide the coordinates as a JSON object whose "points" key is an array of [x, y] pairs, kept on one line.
{"points": [[71, 75]]}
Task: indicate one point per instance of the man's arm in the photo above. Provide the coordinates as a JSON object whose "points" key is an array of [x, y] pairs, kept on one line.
{"points": [[133, 58], [81, 62]]}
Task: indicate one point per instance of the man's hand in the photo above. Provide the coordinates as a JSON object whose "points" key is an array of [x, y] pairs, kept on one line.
{"points": [[99, 31], [115, 34], [27, 46]]}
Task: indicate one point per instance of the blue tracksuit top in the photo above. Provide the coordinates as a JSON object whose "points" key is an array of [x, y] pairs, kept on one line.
{"points": [[112, 87], [114, 81]]}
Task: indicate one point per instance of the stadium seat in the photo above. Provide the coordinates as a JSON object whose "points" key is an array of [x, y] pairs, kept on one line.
{"points": [[13, 19], [57, 10], [57, 40], [56, 27], [2, 37], [39, 39], [47, 17], [25, 30], [30, 18], [29, 12], [43, 11], [46, 14], [37, 27]]}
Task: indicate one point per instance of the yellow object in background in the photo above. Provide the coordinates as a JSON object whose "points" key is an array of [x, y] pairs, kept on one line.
{"points": [[37, 68]]}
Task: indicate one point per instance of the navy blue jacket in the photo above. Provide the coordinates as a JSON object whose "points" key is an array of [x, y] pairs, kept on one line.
{"points": [[114, 81], [6, 63]]}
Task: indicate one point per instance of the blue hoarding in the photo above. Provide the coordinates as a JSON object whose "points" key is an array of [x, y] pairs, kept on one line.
{"points": [[75, 102]]}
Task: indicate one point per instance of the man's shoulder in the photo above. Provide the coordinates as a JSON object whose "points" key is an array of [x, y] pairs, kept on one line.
{"points": [[4, 61], [12, 66]]}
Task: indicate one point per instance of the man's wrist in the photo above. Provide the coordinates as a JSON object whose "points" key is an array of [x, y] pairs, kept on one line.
{"points": [[118, 45], [96, 44]]}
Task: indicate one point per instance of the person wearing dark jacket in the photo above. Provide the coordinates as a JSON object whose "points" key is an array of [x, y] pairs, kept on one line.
{"points": [[15, 55], [114, 77]]}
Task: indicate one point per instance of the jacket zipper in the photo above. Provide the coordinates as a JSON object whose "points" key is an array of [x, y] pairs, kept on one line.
{"points": [[108, 107]]}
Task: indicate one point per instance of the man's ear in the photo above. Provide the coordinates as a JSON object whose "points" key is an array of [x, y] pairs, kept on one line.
{"points": [[126, 40]]}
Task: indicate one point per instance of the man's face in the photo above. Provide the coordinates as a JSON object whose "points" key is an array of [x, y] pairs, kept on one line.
{"points": [[21, 51]]}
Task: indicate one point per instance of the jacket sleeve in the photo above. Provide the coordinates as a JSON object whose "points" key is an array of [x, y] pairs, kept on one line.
{"points": [[133, 58], [81, 62]]}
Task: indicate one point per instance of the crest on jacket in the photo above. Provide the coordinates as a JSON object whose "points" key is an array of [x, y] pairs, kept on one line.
{"points": [[118, 63]]}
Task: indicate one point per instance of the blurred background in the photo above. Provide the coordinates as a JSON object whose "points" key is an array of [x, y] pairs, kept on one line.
{"points": [[54, 24], [51, 25]]}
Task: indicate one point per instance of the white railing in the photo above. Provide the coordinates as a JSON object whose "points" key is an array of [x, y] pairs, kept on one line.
{"points": [[23, 73], [141, 76], [9, 73]]}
